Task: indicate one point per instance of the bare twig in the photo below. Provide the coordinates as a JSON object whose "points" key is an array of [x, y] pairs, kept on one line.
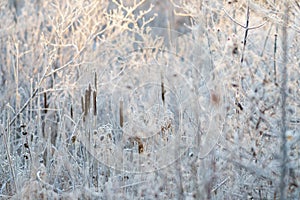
{"points": [[274, 55], [246, 32], [266, 40], [133, 184], [220, 184], [246, 27], [249, 28]]}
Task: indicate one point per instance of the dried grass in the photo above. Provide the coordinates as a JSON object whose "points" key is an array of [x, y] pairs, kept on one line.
{"points": [[127, 100]]}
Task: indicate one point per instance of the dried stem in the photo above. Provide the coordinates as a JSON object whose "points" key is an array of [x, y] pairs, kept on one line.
{"points": [[284, 169], [121, 114]]}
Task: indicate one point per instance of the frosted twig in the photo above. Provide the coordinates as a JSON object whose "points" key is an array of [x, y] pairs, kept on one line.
{"points": [[220, 184], [133, 184]]}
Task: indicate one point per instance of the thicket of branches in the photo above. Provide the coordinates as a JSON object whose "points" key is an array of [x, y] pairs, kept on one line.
{"points": [[149, 99]]}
